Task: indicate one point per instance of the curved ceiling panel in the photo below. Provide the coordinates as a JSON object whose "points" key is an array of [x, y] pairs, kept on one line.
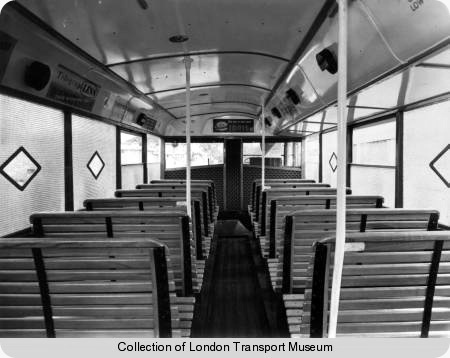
{"points": [[104, 28], [232, 93], [209, 107], [166, 74], [410, 27]]}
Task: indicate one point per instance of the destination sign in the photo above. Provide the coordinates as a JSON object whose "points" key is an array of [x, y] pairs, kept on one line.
{"points": [[233, 126]]}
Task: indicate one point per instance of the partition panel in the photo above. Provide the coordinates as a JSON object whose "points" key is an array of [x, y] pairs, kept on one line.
{"points": [[311, 147], [329, 158], [94, 159], [31, 162], [426, 155]]}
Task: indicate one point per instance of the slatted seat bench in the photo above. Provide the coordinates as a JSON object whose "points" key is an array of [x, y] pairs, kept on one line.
{"points": [[394, 284], [282, 205], [265, 196], [304, 228], [212, 203], [142, 204], [197, 194], [257, 183], [193, 181], [89, 287], [263, 208], [171, 227]]}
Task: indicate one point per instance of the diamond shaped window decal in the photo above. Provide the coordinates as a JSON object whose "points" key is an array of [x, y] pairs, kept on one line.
{"points": [[333, 162], [20, 168], [96, 165], [441, 165]]}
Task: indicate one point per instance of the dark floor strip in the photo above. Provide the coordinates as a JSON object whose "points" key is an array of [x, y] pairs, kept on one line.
{"points": [[232, 302]]}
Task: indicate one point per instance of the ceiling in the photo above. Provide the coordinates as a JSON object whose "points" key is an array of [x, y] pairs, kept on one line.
{"points": [[240, 48]]}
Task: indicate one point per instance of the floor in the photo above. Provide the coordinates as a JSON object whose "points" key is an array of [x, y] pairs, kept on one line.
{"points": [[236, 299]]}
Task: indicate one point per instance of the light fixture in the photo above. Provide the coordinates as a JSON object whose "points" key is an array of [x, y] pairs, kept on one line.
{"points": [[276, 112], [293, 96], [37, 75], [143, 4], [326, 59], [178, 38]]}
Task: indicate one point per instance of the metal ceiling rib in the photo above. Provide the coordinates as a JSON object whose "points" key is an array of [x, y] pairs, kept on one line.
{"points": [[242, 48], [197, 53]]}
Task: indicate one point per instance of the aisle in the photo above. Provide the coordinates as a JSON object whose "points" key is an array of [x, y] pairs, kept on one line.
{"points": [[231, 302]]}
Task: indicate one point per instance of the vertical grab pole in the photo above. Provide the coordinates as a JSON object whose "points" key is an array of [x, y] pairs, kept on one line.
{"points": [[187, 63], [263, 147], [341, 169]]}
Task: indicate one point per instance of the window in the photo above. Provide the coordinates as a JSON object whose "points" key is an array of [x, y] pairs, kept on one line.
{"points": [[375, 144], [201, 154], [274, 153], [130, 148], [131, 160], [373, 166]]}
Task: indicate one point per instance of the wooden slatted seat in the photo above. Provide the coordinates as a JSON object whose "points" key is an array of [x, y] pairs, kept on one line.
{"points": [[263, 202], [180, 194], [394, 284], [89, 287], [257, 182], [194, 181], [282, 205], [143, 204], [304, 228], [263, 208], [212, 203], [171, 227]]}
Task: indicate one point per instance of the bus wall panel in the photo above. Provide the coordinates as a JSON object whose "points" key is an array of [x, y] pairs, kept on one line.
{"points": [[427, 133], [154, 145], [375, 181], [251, 173], [311, 146], [211, 172], [132, 175], [40, 130], [89, 137], [329, 158]]}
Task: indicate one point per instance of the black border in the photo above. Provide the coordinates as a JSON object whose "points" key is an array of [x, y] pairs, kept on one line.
{"points": [[433, 168], [90, 160], [329, 162], [10, 159]]}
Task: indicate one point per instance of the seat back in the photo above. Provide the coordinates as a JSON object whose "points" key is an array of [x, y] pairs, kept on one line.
{"points": [[263, 207], [257, 183], [172, 186], [282, 205], [394, 284], [170, 227], [306, 227], [180, 194], [143, 204], [86, 287]]}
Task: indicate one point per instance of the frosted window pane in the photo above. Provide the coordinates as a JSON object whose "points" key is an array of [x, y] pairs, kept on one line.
{"points": [[374, 181], [427, 82], [153, 149], [130, 148], [312, 157], [329, 158], [201, 154], [427, 134], [375, 144], [383, 94]]}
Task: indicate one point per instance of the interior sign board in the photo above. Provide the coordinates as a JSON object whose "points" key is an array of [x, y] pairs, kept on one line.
{"points": [[7, 44], [71, 88], [233, 126]]}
